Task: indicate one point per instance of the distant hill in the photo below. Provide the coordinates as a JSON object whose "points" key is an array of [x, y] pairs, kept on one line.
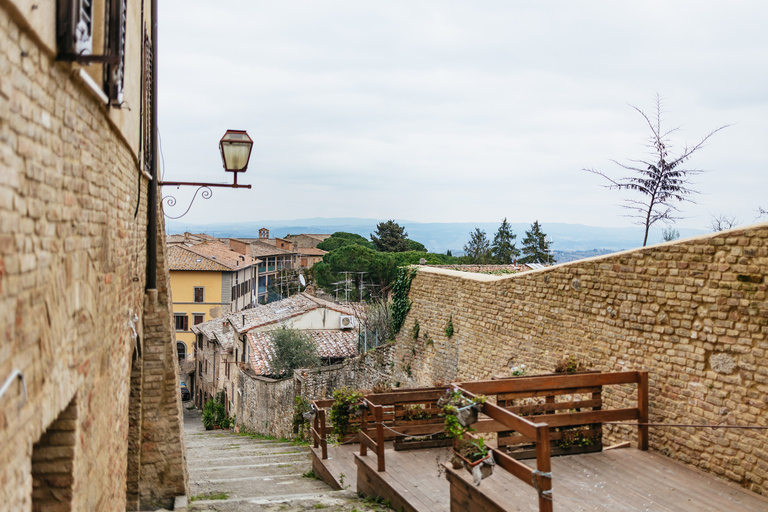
{"points": [[439, 237]]}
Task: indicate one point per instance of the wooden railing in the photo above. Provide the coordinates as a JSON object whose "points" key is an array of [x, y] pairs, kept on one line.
{"points": [[365, 440], [319, 428]]}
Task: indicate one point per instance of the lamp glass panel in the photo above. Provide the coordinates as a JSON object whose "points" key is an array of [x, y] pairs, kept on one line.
{"points": [[235, 154]]}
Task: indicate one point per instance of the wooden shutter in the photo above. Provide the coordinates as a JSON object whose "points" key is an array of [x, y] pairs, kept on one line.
{"points": [[74, 27], [146, 105]]}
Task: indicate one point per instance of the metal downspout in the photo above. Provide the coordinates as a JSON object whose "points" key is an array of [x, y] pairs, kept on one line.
{"points": [[152, 192]]}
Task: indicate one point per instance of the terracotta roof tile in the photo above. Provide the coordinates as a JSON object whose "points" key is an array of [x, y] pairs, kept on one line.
{"points": [[207, 256], [312, 251], [330, 344]]}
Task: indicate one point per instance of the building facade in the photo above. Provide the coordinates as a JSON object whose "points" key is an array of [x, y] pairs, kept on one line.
{"points": [[90, 414], [209, 280]]}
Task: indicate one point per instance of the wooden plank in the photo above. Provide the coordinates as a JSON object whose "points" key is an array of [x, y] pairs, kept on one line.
{"points": [[508, 419], [371, 483], [587, 417], [642, 406], [543, 465], [468, 498], [545, 392], [515, 468], [367, 442], [407, 396], [377, 414], [496, 387], [319, 469], [512, 439], [522, 410]]}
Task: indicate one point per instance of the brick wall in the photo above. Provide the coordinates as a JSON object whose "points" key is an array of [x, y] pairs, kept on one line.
{"points": [[73, 217], [693, 313]]}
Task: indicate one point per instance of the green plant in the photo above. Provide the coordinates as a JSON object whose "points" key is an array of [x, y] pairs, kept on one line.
{"points": [[449, 327], [208, 415], [415, 412], [209, 496], [400, 303], [569, 364], [293, 349], [345, 402], [427, 339], [407, 369], [415, 330], [342, 476], [214, 413], [310, 474], [518, 371], [300, 425]]}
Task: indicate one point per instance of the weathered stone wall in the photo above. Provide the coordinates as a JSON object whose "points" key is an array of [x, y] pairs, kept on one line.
{"points": [[375, 367], [265, 405], [73, 217], [692, 313]]}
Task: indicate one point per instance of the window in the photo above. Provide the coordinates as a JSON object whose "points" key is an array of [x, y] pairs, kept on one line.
{"points": [[197, 319], [200, 341], [181, 350], [182, 321], [199, 294]]}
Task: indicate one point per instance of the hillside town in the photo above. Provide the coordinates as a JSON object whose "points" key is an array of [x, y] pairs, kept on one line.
{"points": [[147, 368]]}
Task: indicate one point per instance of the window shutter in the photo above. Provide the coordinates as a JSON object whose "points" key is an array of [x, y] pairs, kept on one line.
{"points": [[74, 28], [186, 323], [118, 12], [146, 105]]}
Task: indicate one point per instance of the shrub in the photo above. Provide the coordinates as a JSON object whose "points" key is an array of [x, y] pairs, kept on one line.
{"points": [[293, 349]]}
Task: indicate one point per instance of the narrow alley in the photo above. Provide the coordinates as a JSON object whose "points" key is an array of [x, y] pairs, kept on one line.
{"points": [[231, 472]]}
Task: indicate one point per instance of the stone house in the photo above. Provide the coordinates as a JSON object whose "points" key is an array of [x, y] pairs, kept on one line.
{"points": [[208, 280], [306, 241], [241, 340], [90, 413]]}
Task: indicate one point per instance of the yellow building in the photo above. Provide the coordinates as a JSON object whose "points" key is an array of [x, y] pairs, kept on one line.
{"points": [[208, 280]]}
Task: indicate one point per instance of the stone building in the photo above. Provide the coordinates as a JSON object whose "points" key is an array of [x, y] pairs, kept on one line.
{"points": [[90, 415]]}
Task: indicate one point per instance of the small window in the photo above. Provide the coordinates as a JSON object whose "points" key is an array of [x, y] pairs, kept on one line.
{"points": [[199, 294], [197, 319], [181, 350], [182, 322], [200, 341]]}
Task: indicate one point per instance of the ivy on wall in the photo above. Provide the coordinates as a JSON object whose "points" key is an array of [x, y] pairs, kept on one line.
{"points": [[400, 303]]}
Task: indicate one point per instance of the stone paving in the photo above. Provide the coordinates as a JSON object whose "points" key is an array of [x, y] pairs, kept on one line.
{"points": [[231, 472]]}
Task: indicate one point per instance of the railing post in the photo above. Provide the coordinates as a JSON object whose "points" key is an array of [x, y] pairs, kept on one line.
{"points": [[642, 406], [378, 414], [316, 427], [543, 465], [323, 442], [363, 428]]}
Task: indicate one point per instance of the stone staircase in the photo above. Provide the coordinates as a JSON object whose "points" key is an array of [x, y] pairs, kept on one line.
{"points": [[231, 472]]}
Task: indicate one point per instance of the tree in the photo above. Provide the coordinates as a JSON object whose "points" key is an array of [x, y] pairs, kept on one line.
{"points": [[293, 349], [535, 248], [478, 248], [669, 234], [413, 245], [342, 238], [390, 237], [660, 179], [722, 222], [503, 248]]}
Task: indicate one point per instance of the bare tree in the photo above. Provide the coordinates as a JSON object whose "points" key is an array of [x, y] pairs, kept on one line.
{"points": [[722, 222], [660, 180]]}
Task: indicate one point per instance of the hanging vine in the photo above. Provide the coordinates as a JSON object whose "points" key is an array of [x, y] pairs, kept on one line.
{"points": [[400, 303]]}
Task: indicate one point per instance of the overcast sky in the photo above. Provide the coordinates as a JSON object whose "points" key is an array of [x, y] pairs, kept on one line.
{"points": [[448, 111]]}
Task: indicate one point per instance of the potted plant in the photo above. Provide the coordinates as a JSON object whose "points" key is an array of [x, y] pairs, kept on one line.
{"points": [[468, 451], [347, 402]]}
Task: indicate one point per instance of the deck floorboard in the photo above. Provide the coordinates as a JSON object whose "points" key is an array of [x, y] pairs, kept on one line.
{"points": [[616, 480]]}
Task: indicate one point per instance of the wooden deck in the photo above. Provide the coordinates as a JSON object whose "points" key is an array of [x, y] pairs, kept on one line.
{"points": [[616, 480]]}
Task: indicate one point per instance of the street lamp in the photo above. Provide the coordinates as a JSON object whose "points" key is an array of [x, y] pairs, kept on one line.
{"points": [[235, 148]]}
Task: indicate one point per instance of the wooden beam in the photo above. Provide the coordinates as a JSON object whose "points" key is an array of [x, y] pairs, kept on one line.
{"points": [[642, 406], [496, 387], [516, 468], [377, 414], [506, 418], [543, 465]]}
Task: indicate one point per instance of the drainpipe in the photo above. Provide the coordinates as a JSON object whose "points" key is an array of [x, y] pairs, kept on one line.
{"points": [[152, 191]]}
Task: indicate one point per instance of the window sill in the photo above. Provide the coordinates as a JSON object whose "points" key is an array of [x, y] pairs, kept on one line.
{"points": [[91, 85]]}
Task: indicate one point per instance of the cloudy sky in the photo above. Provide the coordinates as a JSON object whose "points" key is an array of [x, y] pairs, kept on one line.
{"points": [[460, 111]]}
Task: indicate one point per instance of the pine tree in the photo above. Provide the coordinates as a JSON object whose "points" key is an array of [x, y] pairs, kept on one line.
{"points": [[478, 248], [535, 248], [390, 237], [503, 248]]}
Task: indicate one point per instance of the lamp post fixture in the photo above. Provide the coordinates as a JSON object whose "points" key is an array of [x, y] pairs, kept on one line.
{"points": [[235, 148]]}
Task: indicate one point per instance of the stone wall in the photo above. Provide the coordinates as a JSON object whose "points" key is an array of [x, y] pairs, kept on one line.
{"points": [[693, 313], [265, 405], [73, 230]]}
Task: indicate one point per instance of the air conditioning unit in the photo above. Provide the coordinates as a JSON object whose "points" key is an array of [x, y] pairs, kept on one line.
{"points": [[347, 321]]}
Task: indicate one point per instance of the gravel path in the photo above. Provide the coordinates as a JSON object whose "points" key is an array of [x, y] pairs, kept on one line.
{"points": [[231, 472]]}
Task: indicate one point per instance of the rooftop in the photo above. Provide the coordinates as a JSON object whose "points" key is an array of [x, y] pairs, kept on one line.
{"points": [[207, 256], [330, 344]]}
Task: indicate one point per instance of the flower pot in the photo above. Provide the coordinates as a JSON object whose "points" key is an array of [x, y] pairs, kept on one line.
{"points": [[480, 469]]}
